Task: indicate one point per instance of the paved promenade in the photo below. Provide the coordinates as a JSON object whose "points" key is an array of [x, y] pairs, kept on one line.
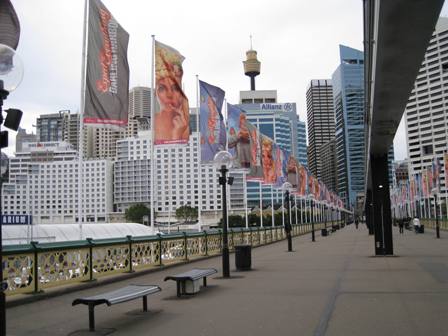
{"points": [[334, 286]]}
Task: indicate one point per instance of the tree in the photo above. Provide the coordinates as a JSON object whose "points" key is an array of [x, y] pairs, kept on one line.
{"points": [[254, 220], [234, 221], [187, 213], [136, 212]]}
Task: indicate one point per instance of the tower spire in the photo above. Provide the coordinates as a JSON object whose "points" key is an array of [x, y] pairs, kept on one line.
{"points": [[251, 65]]}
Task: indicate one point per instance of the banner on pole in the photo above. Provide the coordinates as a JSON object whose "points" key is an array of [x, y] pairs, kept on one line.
{"points": [[172, 120], [211, 121], [107, 70]]}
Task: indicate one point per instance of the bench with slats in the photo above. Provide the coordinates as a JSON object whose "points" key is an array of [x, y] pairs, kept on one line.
{"points": [[193, 275], [124, 294]]}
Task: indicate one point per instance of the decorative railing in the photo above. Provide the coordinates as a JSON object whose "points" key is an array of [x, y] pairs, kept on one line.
{"points": [[31, 268], [431, 223]]}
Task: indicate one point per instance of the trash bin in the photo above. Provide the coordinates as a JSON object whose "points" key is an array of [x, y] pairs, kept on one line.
{"points": [[243, 257], [324, 233], [421, 229]]}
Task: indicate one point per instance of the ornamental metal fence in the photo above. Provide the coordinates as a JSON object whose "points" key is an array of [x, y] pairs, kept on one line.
{"points": [[34, 267]]}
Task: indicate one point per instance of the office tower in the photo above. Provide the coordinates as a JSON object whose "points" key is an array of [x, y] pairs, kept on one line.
{"points": [[426, 113], [139, 117], [278, 121], [348, 100], [301, 148], [328, 164], [50, 127], [320, 117], [103, 141], [23, 137]]}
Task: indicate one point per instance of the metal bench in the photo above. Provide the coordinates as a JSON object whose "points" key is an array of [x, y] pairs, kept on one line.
{"points": [[124, 294], [193, 275]]}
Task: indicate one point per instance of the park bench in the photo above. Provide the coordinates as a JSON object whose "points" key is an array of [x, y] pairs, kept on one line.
{"points": [[191, 278], [124, 294]]}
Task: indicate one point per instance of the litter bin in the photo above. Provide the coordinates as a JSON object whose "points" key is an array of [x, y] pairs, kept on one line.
{"points": [[421, 229], [324, 233], [243, 257]]}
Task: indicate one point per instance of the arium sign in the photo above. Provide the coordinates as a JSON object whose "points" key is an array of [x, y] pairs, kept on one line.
{"points": [[16, 219]]}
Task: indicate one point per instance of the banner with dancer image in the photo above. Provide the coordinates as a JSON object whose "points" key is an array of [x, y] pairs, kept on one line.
{"points": [[256, 169], [267, 160], [211, 121], [172, 120]]}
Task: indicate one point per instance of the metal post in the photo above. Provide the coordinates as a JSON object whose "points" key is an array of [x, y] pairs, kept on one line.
{"points": [[225, 246], [288, 222], [313, 238], [437, 217]]}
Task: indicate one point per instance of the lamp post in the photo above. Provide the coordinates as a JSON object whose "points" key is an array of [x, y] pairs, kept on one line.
{"points": [[437, 217], [313, 237], [11, 74], [286, 187], [223, 162]]}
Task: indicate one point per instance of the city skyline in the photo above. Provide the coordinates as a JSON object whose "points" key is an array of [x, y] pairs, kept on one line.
{"points": [[50, 47]]}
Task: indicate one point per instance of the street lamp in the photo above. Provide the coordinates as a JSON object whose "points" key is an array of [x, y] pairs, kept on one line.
{"points": [[313, 237], [286, 187], [11, 74], [223, 162]]}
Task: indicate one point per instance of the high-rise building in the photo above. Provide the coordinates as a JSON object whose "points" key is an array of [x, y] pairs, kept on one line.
{"points": [[328, 164], [281, 123], [139, 110], [61, 126], [320, 117], [43, 182], [302, 148], [23, 137], [50, 127], [348, 100], [426, 112], [104, 141]]}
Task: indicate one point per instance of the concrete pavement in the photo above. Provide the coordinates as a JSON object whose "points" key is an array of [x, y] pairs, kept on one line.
{"points": [[334, 286]]}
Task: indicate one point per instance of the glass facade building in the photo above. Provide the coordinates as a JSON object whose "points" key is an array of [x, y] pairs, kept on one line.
{"points": [[280, 122], [348, 98]]}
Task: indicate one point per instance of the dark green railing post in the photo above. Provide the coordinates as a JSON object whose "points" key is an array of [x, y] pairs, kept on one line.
{"points": [[36, 266], [129, 239], [89, 240], [206, 242], [186, 245], [233, 238], [160, 249]]}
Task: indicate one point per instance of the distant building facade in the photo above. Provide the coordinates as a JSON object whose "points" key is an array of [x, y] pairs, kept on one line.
{"points": [[348, 100], [43, 183], [320, 117], [426, 112]]}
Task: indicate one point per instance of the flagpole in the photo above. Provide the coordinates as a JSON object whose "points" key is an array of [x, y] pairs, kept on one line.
{"points": [[283, 209], [245, 198], [81, 116], [261, 205], [198, 131], [295, 205], [272, 206], [153, 105]]}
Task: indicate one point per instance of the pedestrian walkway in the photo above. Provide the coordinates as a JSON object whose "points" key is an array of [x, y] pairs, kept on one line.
{"points": [[334, 286]]}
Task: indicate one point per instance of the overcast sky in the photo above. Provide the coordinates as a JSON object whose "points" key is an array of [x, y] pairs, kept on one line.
{"points": [[296, 41]]}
